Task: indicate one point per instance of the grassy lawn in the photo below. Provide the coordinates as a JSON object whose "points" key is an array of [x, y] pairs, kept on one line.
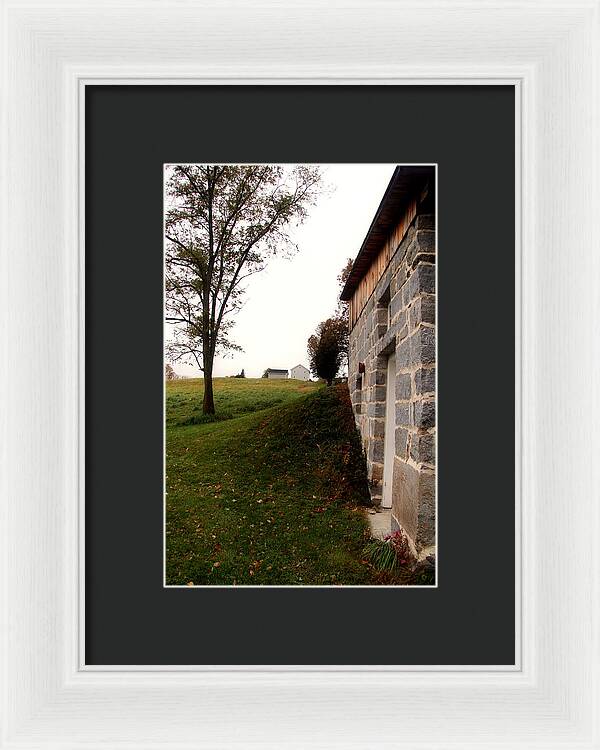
{"points": [[267, 492]]}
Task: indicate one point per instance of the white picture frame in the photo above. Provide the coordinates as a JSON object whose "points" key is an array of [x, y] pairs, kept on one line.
{"points": [[548, 49]]}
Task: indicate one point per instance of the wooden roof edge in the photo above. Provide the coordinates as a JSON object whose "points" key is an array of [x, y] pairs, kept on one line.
{"points": [[369, 250]]}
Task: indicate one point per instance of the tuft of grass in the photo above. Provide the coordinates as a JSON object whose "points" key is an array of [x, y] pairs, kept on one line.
{"points": [[382, 555], [271, 494], [393, 563]]}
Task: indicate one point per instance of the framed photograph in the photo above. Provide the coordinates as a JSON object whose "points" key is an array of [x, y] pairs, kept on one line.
{"points": [[300, 375], [319, 475]]}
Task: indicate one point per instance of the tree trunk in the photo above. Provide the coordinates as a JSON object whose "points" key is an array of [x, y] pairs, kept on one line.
{"points": [[208, 403], [329, 381]]}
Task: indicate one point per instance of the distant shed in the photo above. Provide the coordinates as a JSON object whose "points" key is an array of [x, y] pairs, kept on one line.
{"points": [[276, 374]]}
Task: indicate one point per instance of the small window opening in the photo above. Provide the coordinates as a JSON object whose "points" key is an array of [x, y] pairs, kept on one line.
{"points": [[384, 318]]}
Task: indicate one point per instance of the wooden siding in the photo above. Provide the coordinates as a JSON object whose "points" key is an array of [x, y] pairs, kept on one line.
{"points": [[369, 281]]}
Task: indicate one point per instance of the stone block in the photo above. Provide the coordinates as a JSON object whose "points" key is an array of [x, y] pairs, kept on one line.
{"points": [[422, 311], [405, 292], [421, 280], [403, 387], [425, 381], [424, 414], [413, 502], [379, 377], [401, 442], [401, 334], [387, 344], [377, 428], [376, 409], [422, 346], [405, 496], [403, 358], [426, 510], [396, 305], [379, 393], [381, 315], [375, 450], [400, 320], [425, 221], [426, 240], [412, 250], [403, 417], [422, 448], [422, 258]]}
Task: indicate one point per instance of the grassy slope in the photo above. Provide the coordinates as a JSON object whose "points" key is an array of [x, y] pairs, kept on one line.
{"points": [[269, 495]]}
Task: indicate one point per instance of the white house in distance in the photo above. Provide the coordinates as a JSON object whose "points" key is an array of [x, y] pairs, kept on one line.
{"points": [[274, 374], [300, 373]]}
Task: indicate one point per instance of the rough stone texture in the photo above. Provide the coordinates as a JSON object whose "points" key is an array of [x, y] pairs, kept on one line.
{"points": [[399, 317], [377, 428], [403, 416], [403, 386], [405, 506], [424, 414], [401, 442], [375, 409], [422, 280], [396, 307], [425, 221], [422, 346], [426, 510], [375, 453], [425, 381], [403, 354], [422, 311], [379, 392], [422, 449]]}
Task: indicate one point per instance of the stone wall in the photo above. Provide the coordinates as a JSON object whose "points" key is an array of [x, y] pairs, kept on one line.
{"points": [[400, 317]]}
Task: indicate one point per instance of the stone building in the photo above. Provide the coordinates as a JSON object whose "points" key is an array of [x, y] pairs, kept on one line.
{"points": [[392, 355]]}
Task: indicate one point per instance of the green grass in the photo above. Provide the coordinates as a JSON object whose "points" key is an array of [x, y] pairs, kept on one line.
{"points": [[270, 490], [234, 397]]}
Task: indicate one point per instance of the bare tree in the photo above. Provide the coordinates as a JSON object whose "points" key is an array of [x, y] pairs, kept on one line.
{"points": [[170, 373], [223, 223]]}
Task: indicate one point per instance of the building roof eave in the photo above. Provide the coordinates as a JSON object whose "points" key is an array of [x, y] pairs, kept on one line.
{"points": [[405, 183]]}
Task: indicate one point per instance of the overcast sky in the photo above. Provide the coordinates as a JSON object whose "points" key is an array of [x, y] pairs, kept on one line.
{"points": [[286, 301]]}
